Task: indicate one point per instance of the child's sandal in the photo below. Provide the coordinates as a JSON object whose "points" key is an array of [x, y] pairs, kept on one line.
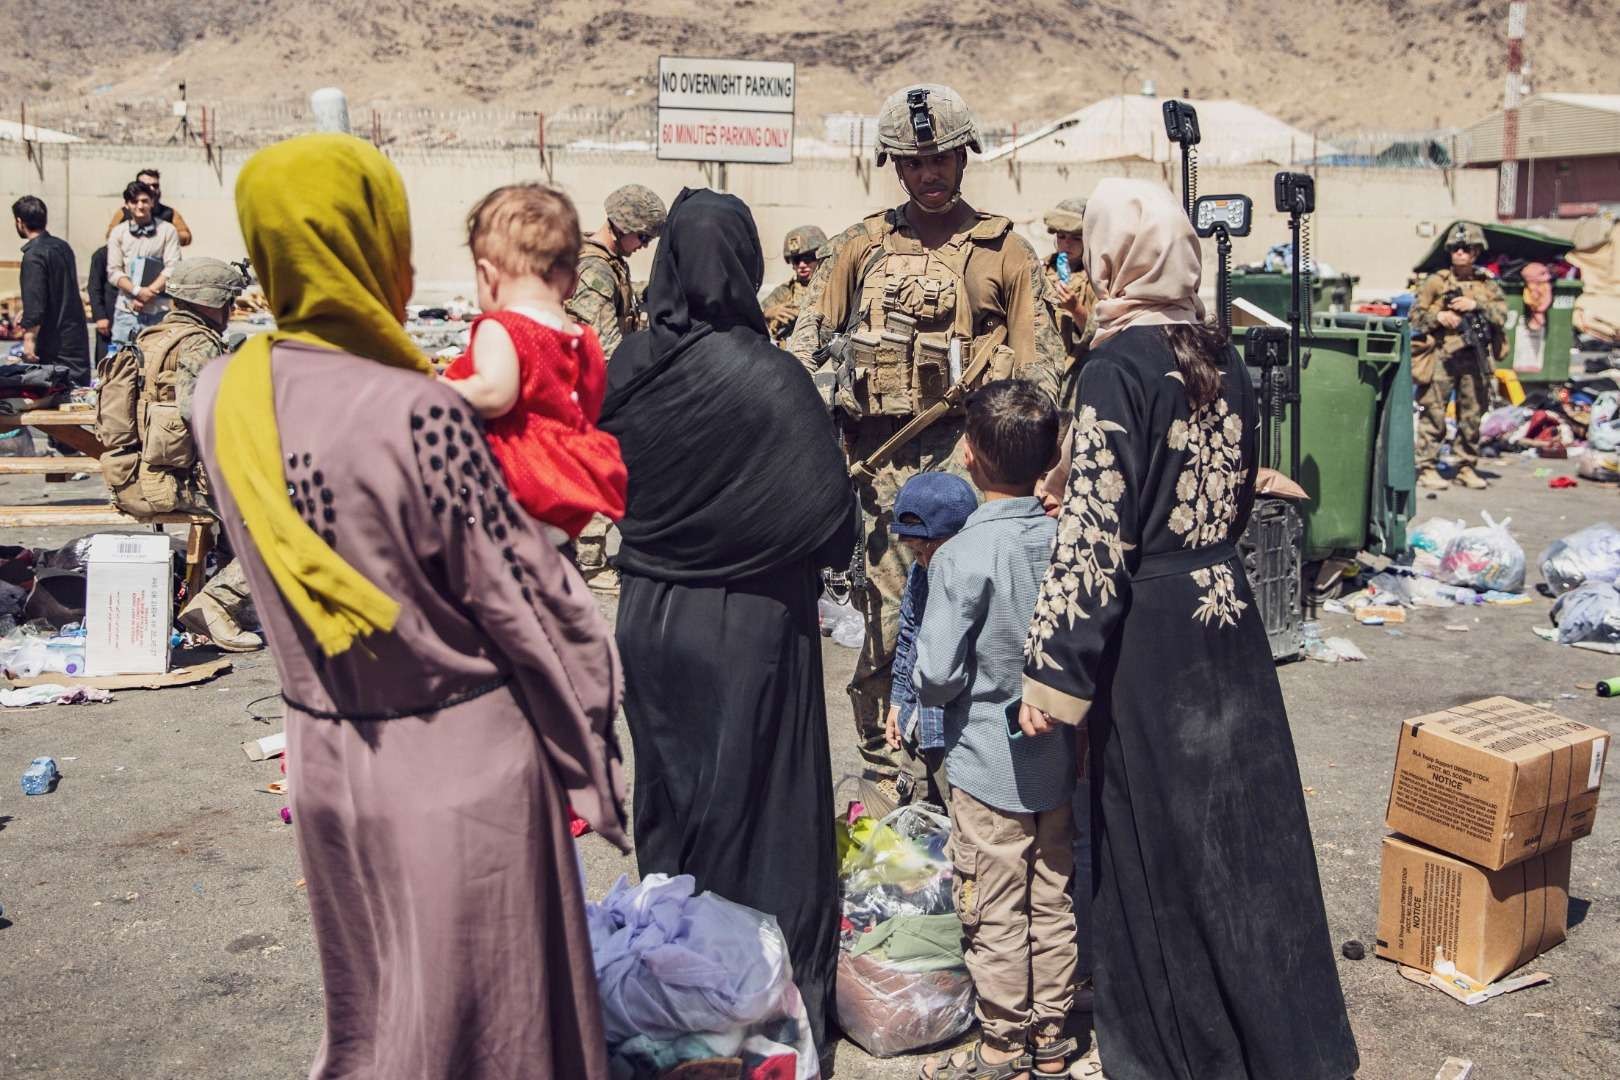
{"points": [[976, 1068], [1059, 1052]]}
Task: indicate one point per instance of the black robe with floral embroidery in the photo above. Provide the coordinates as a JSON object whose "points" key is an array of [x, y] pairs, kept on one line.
{"points": [[1213, 959]]}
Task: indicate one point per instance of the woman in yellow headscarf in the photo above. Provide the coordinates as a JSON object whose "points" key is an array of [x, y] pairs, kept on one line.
{"points": [[449, 680]]}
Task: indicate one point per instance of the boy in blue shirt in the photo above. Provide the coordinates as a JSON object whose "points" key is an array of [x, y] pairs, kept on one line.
{"points": [[1011, 829]]}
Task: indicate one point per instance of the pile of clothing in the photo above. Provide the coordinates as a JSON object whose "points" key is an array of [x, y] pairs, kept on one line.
{"points": [[690, 978], [902, 983]]}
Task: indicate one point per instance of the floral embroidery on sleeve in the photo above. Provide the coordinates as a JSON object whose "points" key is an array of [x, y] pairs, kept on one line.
{"points": [[1090, 553]]}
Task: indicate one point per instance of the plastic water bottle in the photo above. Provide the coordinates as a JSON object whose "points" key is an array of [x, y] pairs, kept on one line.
{"points": [[1063, 271], [65, 655], [39, 776]]}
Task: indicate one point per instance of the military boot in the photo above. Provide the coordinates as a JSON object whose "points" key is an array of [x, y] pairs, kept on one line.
{"points": [[208, 617], [1468, 478], [1430, 478]]}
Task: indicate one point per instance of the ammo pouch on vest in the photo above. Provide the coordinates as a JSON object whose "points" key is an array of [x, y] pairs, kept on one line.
{"points": [[893, 356]]}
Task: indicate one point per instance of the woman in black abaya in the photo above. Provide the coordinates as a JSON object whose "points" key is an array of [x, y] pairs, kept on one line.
{"points": [[738, 497]]}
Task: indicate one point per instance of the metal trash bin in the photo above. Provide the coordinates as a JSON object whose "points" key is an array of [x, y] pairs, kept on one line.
{"points": [[1271, 547]]}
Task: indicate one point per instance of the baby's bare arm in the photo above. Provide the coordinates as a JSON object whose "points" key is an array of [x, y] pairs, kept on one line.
{"points": [[492, 388]]}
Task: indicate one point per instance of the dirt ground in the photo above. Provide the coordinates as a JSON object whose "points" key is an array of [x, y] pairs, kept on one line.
{"points": [[154, 927]]}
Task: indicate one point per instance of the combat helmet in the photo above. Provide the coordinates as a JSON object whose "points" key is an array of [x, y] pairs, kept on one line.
{"points": [[208, 282], [804, 240], [925, 119], [1466, 232], [635, 209], [1067, 216]]}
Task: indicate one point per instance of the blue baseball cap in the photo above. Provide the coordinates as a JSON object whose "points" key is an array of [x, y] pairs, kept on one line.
{"points": [[933, 506]]}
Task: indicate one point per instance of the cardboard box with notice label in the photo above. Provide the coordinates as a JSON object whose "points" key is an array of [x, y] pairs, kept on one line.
{"points": [[1486, 922], [1496, 782], [129, 604]]}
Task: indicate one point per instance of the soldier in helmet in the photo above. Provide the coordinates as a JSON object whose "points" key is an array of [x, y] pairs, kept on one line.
{"points": [[144, 418], [1449, 359], [906, 310], [1070, 299], [605, 301], [782, 305]]}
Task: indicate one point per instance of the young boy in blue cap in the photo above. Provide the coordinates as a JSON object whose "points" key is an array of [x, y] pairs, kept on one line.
{"points": [[931, 508]]}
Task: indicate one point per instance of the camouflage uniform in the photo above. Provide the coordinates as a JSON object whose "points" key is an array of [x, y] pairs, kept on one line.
{"points": [[783, 303], [606, 301], [1003, 286], [184, 343], [1445, 364], [1076, 339], [782, 306]]}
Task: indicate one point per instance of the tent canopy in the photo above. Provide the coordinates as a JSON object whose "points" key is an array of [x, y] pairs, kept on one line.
{"points": [[1132, 126]]}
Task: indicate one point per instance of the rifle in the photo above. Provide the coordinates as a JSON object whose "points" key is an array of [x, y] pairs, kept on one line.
{"points": [[1478, 334]]}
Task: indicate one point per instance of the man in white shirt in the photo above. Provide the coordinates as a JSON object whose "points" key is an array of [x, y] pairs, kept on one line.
{"points": [[141, 253]]}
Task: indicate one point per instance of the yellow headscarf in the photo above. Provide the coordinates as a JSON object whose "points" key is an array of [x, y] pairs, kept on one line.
{"points": [[328, 229]]}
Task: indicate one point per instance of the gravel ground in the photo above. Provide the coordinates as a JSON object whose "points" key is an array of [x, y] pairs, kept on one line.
{"points": [[154, 925]]}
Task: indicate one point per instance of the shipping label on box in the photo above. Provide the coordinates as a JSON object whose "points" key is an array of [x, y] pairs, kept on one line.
{"points": [[1487, 922], [129, 604], [1496, 781]]}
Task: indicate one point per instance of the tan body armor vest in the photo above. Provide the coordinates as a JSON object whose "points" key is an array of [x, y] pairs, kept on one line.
{"points": [[916, 334], [151, 458]]}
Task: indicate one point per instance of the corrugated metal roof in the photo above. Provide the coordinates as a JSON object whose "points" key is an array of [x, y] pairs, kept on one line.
{"points": [[1550, 126]]}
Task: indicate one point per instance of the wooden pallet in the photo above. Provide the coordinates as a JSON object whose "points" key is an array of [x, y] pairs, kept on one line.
{"points": [[51, 468]]}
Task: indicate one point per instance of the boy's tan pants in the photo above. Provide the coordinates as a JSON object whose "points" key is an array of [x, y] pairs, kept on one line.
{"points": [[1012, 895]]}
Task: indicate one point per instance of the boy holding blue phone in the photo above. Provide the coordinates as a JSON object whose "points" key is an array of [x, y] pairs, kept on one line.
{"points": [[1009, 797]]}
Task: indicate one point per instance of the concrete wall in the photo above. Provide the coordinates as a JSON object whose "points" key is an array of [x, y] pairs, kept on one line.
{"points": [[1368, 223]]}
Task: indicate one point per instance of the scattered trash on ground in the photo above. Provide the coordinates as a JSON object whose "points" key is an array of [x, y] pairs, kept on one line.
{"points": [[1588, 613], [41, 776], [1455, 1068], [1485, 558], [268, 747], [1353, 950], [53, 694]]}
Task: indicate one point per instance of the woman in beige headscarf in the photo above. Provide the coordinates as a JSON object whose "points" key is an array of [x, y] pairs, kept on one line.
{"points": [[1147, 640]]}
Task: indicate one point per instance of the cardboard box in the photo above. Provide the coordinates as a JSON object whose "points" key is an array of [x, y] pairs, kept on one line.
{"points": [[1496, 781], [129, 604], [1486, 922]]}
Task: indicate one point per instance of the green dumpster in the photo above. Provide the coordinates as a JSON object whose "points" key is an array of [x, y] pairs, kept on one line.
{"points": [[1271, 291], [1539, 358], [1356, 452]]}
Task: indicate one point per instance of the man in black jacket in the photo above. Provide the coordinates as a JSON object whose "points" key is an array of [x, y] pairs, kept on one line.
{"points": [[103, 302], [53, 316]]}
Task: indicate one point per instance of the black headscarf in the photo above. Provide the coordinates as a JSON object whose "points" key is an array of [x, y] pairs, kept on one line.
{"points": [[734, 463]]}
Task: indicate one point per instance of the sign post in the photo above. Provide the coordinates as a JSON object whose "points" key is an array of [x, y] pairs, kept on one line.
{"points": [[725, 110]]}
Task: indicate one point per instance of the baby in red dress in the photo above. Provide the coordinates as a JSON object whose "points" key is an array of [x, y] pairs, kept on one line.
{"points": [[536, 377]]}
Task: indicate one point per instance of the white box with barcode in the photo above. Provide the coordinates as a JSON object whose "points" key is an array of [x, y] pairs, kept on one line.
{"points": [[129, 604]]}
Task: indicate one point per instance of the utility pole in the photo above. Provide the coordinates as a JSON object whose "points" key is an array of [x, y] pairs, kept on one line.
{"points": [[1507, 179]]}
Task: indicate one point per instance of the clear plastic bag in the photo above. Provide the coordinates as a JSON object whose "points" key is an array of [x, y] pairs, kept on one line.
{"points": [[1485, 558], [886, 1010], [900, 869], [1588, 613], [841, 622], [1436, 534], [1592, 554]]}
